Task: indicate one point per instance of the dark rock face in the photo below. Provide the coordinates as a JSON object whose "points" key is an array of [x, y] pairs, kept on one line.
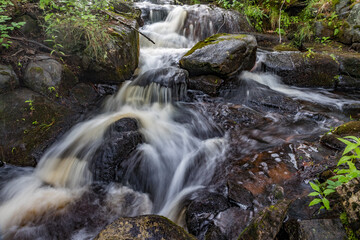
{"points": [[221, 54], [8, 79], [29, 124], [314, 229], [119, 142], [352, 33], [350, 200], [267, 224], [143, 227], [209, 84], [44, 73], [201, 211], [303, 69]]}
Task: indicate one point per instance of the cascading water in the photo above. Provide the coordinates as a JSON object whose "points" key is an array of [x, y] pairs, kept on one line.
{"points": [[175, 159]]}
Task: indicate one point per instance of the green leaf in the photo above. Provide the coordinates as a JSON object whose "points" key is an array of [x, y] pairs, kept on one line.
{"points": [[315, 187], [326, 203], [313, 194], [315, 201], [344, 159], [328, 191], [354, 138], [336, 31]]}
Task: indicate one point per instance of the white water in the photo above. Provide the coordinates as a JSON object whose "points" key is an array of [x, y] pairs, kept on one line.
{"points": [[172, 159]]}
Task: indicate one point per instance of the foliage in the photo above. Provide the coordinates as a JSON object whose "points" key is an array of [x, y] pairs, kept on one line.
{"points": [[345, 172], [6, 25], [76, 26]]}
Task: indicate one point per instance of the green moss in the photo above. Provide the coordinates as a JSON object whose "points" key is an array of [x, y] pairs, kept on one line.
{"points": [[4, 73], [348, 128], [285, 47], [38, 70], [214, 40]]}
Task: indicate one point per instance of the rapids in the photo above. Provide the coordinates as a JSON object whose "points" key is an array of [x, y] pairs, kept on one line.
{"points": [[182, 148]]}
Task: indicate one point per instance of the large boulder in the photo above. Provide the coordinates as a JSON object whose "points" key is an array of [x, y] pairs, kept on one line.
{"points": [[29, 123], [267, 224], [143, 227], [45, 75], [8, 79], [308, 69], [221, 54], [351, 34]]}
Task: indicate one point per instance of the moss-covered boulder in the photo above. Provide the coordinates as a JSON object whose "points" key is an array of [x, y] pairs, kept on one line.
{"points": [[268, 222], [307, 69], [143, 227], [350, 200], [45, 75], [29, 123], [221, 55], [8, 79]]}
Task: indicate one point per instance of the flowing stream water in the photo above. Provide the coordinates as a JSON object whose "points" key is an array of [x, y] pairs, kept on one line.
{"points": [[181, 148]]}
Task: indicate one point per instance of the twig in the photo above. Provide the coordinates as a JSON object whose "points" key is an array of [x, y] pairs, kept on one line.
{"points": [[37, 43], [120, 21], [17, 52]]}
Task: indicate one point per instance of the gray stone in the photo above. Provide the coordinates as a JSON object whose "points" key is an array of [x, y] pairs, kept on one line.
{"points": [[8, 79], [44, 72], [209, 84], [321, 229], [143, 227], [221, 54]]}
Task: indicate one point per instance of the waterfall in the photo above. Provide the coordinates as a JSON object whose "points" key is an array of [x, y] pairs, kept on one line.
{"points": [[173, 161]]}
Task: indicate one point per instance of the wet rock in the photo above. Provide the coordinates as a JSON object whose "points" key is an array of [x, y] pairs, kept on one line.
{"points": [[331, 141], [304, 69], [204, 21], [29, 124], [349, 128], [128, 10], [314, 229], [240, 195], [268, 222], [143, 227], [44, 72], [351, 34], [8, 79], [350, 73], [119, 142], [201, 212], [221, 54], [83, 94], [352, 110], [170, 77], [209, 84], [350, 200]]}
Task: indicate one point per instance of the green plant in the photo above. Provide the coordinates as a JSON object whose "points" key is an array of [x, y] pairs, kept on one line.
{"points": [[6, 26], [30, 102], [345, 172], [53, 89]]}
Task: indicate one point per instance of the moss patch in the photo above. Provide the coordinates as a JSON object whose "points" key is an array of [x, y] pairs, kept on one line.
{"points": [[350, 128]]}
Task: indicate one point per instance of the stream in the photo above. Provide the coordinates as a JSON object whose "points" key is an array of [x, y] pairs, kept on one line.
{"points": [[185, 142]]}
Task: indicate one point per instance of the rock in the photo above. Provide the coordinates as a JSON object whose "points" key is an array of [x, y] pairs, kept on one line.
{"points": [[8, 79], [341, 7], [143, 227], [83, 94], [202, 210], [314, 229], [171, 78], [44, 75], [122, 56], [29, 123], [221, 54], [350, 72], [119, 142], [331, 141], [240, 195], [347, 129], [209, 84], [352, 110], [304, 69], [350, 200], [268, 222], [352, 32]]}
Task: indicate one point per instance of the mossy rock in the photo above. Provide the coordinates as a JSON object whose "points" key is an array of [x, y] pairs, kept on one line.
{"points": [[268, 222], [143, 227], [8, 79], [29, 124], [347, 129], [221, 55]]}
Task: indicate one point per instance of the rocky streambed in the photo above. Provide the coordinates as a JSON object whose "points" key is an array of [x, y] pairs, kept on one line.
{"points": [[215, 131]]}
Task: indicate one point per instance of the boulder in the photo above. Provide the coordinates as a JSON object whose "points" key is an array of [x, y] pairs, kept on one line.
{"points": [[313, 229], [8, 79], [120, 140], [29, 124], [307, 69], [350, 71], [143, 227], [171, 78], [45, 75], [351, 33], [268, 222], [221, 55], [350, 200]]}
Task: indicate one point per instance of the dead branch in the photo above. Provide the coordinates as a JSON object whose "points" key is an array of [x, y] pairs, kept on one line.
{"points": [[120, 21]]}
